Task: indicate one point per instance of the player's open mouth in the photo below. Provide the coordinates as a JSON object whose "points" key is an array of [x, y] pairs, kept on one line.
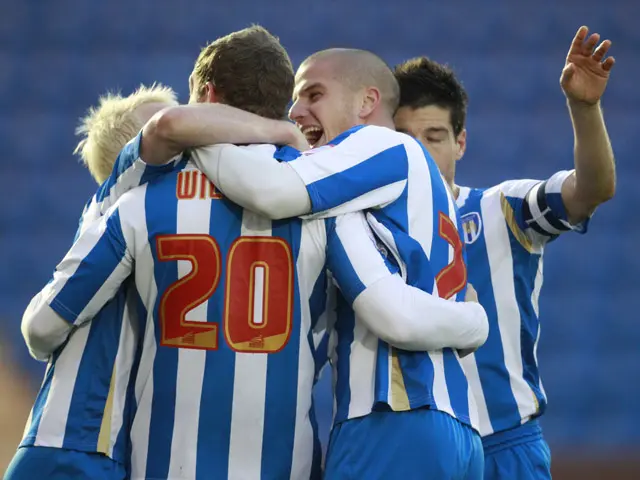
{"points": [[312, 133]]}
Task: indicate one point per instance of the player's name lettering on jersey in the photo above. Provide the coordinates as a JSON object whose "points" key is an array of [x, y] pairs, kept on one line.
{"points": [[193, 184]]}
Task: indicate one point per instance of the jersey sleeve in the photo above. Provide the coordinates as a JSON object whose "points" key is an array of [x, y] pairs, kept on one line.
{"points": [[129, 171], [365, 167], [353, 256], [538, 209], [92, 271], [399, 314]]}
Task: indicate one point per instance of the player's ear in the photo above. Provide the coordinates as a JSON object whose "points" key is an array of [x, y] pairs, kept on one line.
{"points": [[370, 101], [209, 93], [461, 144]]}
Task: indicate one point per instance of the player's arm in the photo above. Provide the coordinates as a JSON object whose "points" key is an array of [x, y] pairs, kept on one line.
{"points": [[594, 180], [158, 147], [401, 315], [129, 171], [363, 168], [584, 80], [175, 129], [88, 276]]}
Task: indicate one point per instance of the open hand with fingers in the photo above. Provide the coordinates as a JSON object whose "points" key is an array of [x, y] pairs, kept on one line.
{"points": [[586, 71]]}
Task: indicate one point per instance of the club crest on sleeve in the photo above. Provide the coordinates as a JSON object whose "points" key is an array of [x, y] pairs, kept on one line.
{"points": [[471, 227]]}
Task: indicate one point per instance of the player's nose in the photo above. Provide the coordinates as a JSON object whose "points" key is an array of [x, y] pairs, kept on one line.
{"points": [[297, 112]]}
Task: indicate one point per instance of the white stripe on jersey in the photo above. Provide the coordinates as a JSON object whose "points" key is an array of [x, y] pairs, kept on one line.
{"points": [[481, 412], [474, 413], [393, 190], [310, 267], [364, 143], [148, 290], [509, 321], [362, 368], [193, 216], [249, 389], [56, 409], [129, 335], [535, 295], [420, 199]]}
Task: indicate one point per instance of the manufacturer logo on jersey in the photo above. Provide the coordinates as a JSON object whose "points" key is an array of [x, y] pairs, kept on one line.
{"points": [[471, 227]]}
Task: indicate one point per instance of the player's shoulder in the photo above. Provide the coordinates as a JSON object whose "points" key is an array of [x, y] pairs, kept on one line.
{"points": [[133, 197], [517, 188], [372, 134], [266, 149]]}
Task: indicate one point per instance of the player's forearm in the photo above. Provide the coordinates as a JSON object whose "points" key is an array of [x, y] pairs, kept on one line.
{"points": [[44, 331], [411, 319], [254, 180], [595, 177], [176, 129]]}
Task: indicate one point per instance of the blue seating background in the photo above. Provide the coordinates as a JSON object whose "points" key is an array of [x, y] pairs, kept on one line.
{"points": [[56, 58]]}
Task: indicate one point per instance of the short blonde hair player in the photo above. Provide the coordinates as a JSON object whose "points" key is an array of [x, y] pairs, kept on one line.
{"points": [[116, 120]]}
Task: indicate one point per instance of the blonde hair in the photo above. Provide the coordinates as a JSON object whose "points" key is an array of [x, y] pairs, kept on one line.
{"points": [[108, 127]]}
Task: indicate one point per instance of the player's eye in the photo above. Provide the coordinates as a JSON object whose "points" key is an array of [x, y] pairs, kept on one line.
{"points": [[314, 96]]}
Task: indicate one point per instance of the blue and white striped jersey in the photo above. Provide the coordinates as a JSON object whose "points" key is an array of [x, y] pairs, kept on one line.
{"points": [[413, 212], [83, 403], [506, 228], [230, 299]]}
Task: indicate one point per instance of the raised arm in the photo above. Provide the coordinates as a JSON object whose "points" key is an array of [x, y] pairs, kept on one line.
{"points": [[399, 314], [364, 167], [584, 80], [175, 129]]}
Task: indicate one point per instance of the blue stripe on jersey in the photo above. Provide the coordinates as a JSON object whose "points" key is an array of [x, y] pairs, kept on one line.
{"points": [[93, 380], [395, 217], [152, 172], [317, 306], [494, 376], [124, 161], [92, 272], [338, 262], [214, 427], [525, 269], [456, 382], [285, 153], [381, 379], [123, 441], [161, 210], [344, 330], [282, 376], [316, 468], [517, 204], [387, 167]]}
